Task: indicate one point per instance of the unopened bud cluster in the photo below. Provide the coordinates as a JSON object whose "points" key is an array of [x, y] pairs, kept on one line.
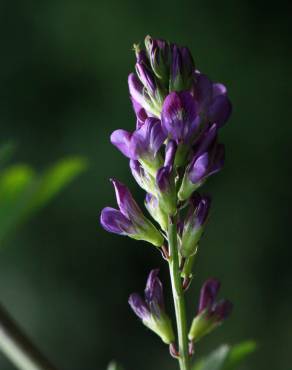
{"points": [[172, 151]]}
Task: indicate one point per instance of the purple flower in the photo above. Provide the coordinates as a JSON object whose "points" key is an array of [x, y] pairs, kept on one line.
{"points": [[143, 144], [202, 165], [194, 223], [179, 117], [151, 310], [217, 311], [213, 102], [129, 219], [210, 313]]}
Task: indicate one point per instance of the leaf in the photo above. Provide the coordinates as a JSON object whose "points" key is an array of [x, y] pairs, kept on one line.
{"points": [[22, 191], [114, 366], [238, 353], [226, 357], [215, 361], [15, 194], [56, 178]]}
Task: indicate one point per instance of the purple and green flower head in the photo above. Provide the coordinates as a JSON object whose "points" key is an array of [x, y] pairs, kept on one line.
{"points": [[210, 312], [151, 309]]}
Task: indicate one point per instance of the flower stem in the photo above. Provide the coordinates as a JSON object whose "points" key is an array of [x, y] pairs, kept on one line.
{"points": [[18, 348], [178, 295]]}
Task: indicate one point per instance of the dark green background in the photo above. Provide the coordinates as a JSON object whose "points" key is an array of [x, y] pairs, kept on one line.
{"points": [[63, 90]]}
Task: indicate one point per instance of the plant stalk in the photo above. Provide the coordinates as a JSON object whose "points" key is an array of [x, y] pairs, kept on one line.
{"points": [[178, 295], [18, 348]]}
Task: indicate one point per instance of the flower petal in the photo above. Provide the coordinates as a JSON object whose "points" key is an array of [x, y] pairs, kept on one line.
{"points": [[208, 294], [220, 110], [121, 139], [115, 222], [178, 117], [139, 306], [154, 289]]}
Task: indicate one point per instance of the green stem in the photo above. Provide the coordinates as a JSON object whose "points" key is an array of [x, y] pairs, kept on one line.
{"points": [[178, 295], [18, 348]]}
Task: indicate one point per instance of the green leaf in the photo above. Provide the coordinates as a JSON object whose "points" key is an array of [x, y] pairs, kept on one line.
{"points": [[238, 353], [114, 366], [15, 193], [226, 357], [56, 178], [215, 361], [22, 191]]}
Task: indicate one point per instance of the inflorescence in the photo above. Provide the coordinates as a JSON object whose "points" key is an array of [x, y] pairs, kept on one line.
{"points": [[172, 151]]}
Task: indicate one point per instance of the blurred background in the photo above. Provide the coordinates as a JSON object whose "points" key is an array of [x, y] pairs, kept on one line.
{"points": [[63, 90]]}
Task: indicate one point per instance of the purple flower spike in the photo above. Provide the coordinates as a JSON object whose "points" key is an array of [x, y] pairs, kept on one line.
{"points": [[151, 310], [209, 292], [179, 117], [129, 219], [194, 223], [210, 313]]}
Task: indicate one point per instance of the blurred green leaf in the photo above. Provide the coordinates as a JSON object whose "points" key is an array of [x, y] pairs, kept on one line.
{"points": [[23, 192], [114, 366], [226, 357], [238, 353], [57, 177], [215, 361]]}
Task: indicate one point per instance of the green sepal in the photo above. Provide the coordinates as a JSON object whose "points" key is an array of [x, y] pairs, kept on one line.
{"points": [[162, 326], [201, 326]]}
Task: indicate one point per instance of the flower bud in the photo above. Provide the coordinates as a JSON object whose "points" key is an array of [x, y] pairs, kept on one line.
{"points": [[182, 69], [151, 310], [129, 219], [167, 192], [200, 168], [143, 178], [211, 313], [139, 95], [156, 211], [159, 56], [194, 224]]}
